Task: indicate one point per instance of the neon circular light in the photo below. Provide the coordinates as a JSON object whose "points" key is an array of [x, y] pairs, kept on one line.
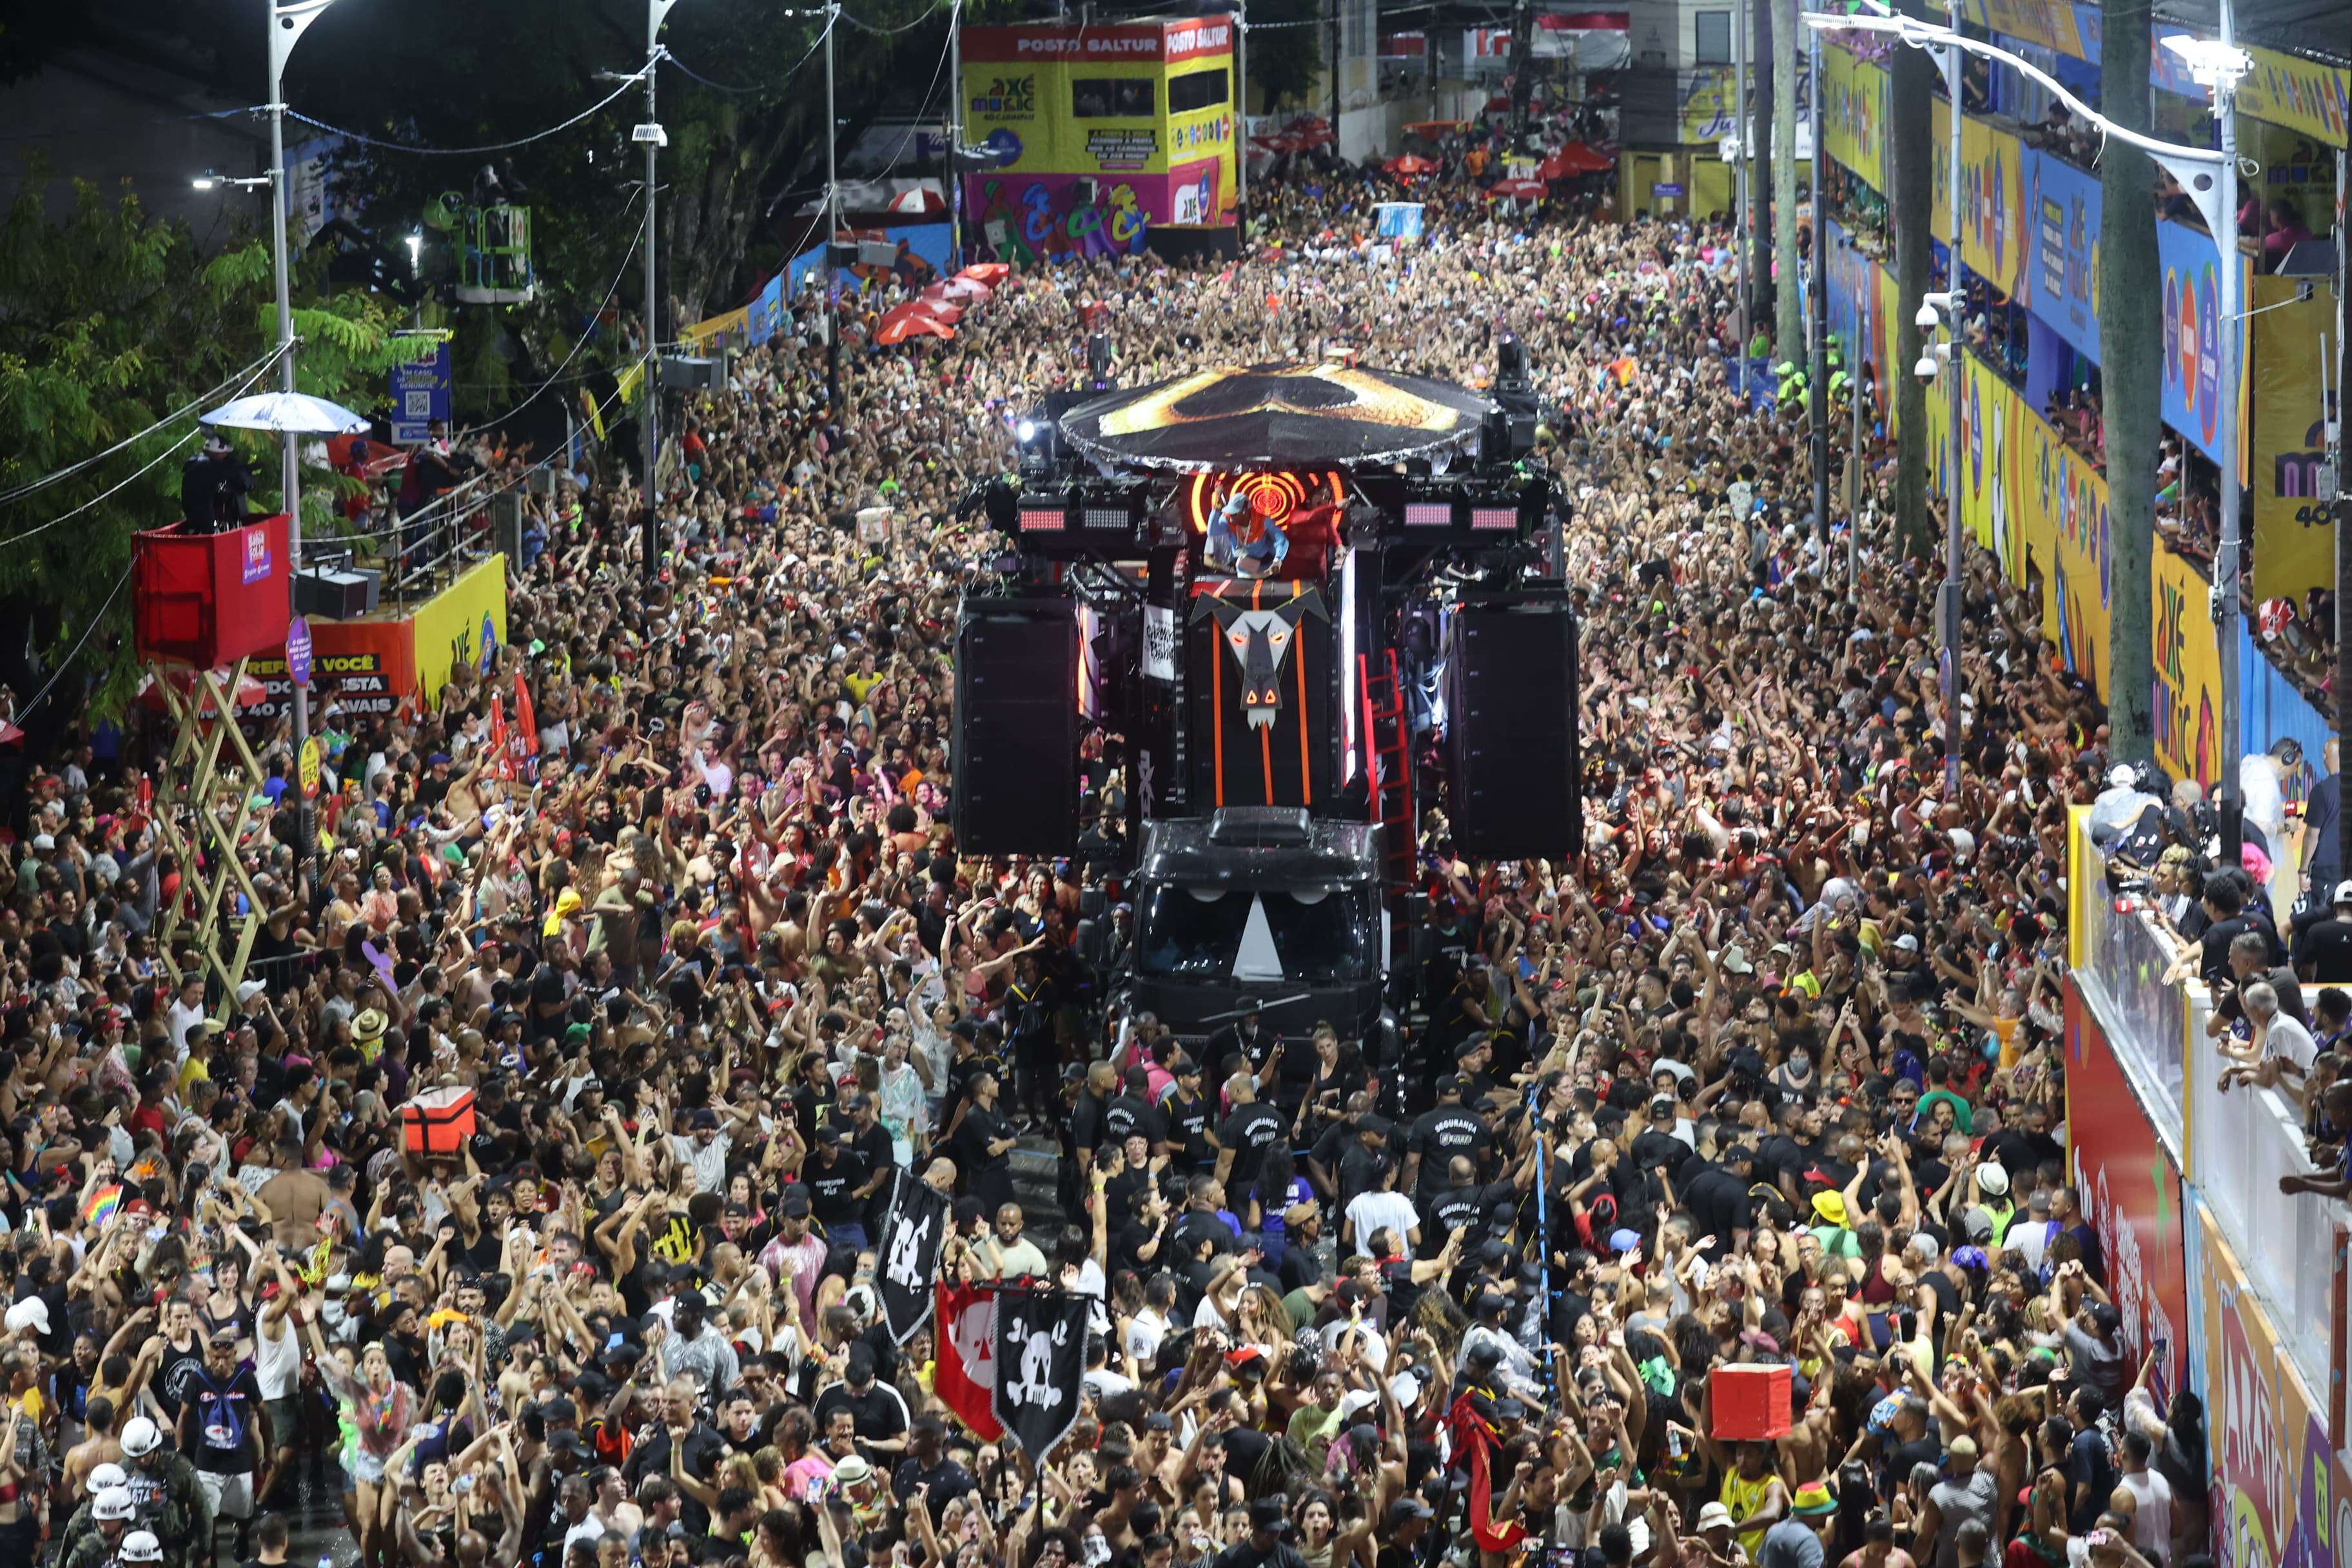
{"points": [[1272, 497]]}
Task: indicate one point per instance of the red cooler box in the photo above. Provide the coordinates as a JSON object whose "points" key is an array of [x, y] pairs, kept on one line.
{"points": [[209, 599], [1751, 1402], [437, 1123]]}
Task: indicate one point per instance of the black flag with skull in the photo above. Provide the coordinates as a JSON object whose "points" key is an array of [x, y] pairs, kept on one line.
{"points": [[1041, 1355], [911, 1254]]}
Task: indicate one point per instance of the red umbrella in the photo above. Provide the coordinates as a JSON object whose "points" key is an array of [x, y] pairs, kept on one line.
{"points": [[1411, 165], [988, 272], [909, 322], [937, 310], [1516, 190], [921, 202], [960, 290], [1586, 158], [1312, 130]]}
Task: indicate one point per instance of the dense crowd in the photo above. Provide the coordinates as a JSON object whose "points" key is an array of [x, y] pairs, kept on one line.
{"points": [[1767, 1079]]}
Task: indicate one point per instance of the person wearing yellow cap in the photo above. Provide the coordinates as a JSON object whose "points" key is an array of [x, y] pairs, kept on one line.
{"points": [[1796, 1541], [564, 919], [1835, 1229]]}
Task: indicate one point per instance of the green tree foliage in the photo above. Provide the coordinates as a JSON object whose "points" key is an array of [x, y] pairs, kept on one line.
{"points": [[1286, 59], [115, 320]]}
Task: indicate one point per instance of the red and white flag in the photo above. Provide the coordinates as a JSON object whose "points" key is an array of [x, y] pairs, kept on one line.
{"points": [[502, 759], [965, 1375], [525, 745]]}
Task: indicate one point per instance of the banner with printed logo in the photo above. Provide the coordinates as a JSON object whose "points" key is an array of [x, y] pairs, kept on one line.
{"points": [[964, 1341], [911, 1234], [2294, 539], [2192, 398], [1041, 1355], [2188, 741], [1992, 198]]}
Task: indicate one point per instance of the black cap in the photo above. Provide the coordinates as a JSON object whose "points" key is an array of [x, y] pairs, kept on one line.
{"points": [[1409, 1507], [796, 1202], [1452, 1083], [1270, 1514]]}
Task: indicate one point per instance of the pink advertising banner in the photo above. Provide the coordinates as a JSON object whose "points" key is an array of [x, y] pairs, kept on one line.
{"points": [[1028, 218]]}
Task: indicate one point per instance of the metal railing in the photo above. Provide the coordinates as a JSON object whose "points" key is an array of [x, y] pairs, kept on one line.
{"points": [[419, 554], [2123, 956], [2243, 1141]]}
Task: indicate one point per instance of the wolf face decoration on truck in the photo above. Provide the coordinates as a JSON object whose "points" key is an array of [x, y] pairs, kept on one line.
{"points": [[1260, 641]]}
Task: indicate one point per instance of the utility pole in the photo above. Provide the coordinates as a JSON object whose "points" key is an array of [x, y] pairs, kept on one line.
{"points": [[831, 224], [1240, 126], [2228, 562], [287, 24], [650, 135], [1740, 182], [1335, 77], [1954, 377], [955, 135], [1820, 299], [1788, 322]]}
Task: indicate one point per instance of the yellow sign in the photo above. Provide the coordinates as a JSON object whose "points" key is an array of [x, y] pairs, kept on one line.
{"points": [[1854, 96], [449, 626], [2049, 23], [2300, 94], [2187, 670], [1709, 113], [312, 751], [2294, 540], [1993, 194]]}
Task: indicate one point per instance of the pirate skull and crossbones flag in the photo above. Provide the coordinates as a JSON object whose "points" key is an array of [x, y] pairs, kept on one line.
{"points": [[1041, 1354], [911, 1254]]}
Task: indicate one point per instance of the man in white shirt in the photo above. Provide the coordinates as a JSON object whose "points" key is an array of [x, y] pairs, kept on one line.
{"points": [[705, 1151], [2282, 1047], [1380, 1208]]}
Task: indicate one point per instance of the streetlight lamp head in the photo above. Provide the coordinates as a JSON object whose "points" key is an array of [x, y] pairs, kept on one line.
{"points": [[2211, 62], [206, 180]]}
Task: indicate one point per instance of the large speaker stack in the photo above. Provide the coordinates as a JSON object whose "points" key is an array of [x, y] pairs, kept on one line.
{"points": [[1016, 728], [1510, 728]]}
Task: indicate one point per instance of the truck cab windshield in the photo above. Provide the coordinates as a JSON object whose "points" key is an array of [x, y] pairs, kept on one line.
{"points": [[1322, 937]]}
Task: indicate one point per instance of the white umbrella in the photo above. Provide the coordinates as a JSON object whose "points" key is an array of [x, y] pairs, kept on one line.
{"points": [[287, 411]]}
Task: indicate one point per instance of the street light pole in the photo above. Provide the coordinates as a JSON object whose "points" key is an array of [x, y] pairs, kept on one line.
{"points": [[651, 135], [1953, 369], [1820, 303], [2227, 560], [1241, 123], [288, 23], [1739, 184], [832, 223], [955, 134]]}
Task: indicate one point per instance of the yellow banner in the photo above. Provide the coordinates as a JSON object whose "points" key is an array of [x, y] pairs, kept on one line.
{"points": [[2295, 541], [735, 326], [2188, 669], [1707, 112], [625, 387], [2049, 23], [1992, 194], [1853, 93], [2300, 94]]}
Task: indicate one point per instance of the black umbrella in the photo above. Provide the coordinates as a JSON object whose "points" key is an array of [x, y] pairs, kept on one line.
{"points": [[1277, 417]]}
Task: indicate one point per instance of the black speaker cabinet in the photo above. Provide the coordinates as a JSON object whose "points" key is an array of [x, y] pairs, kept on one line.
{"points": [[1016, 728], [1510, 729]]}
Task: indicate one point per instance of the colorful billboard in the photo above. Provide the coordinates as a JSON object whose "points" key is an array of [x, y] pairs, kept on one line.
{"points": [[2192, 335], [2060, 280], [2130, 1192], [1992, 196], [1853, 92], [2282, 1496], [1145, 106], [2187, 670], [2302, 95], [2294, 539]]}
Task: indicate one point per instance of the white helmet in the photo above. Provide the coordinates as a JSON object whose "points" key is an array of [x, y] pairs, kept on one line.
{"points": [[114, 1502], [107, 1474], [141, 1546], [141, 1436]]}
